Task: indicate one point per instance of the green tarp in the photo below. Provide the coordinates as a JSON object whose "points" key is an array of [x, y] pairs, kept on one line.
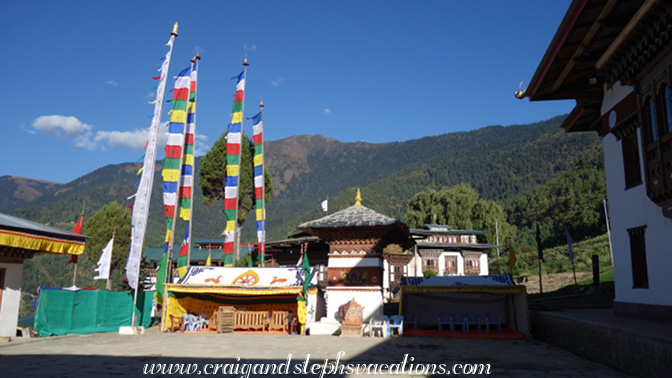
{"points": [[60, 312]]}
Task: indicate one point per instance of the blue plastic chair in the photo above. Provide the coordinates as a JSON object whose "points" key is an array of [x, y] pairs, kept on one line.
{"points": [[411, 319], [457, 319], [493, 319], [396, 322], [445, 319], [472, 319]]}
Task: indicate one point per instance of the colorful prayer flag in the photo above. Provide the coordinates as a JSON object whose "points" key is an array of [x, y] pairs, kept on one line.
{"points": [[187, 179], [173, 162], [258, 159], [183, 256], [233, 139]]}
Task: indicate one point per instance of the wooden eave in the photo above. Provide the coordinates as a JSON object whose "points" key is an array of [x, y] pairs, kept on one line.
{"points": [[567, 70]]}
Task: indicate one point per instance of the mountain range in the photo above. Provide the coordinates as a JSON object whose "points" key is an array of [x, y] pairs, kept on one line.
{"points": [[501, 163]]}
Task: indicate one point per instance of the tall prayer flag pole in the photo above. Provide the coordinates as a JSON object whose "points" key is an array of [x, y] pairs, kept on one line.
{"points": [[172, 166], [143, 195], [186, 192], [259, 184], [231, 185]]}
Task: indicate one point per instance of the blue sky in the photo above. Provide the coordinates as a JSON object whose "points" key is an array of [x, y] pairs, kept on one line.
{"points": [[78, 73]]}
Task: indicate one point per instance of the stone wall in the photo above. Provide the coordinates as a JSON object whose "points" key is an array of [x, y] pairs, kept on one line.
{"points": [[631, 352]]}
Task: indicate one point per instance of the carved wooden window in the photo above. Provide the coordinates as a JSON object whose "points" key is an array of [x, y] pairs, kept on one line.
{"points": [[640, 276], [451, 266], [430, 263], [471, 266], [631, 165]]}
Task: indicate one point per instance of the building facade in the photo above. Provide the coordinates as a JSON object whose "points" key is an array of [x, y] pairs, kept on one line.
{"points": [[615, 59]]}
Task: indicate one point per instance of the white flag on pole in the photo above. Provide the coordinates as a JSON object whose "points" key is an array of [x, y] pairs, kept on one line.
{"points": [[325, 205], [104, 262]]}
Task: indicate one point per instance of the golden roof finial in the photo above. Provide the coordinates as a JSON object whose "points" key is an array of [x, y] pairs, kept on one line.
{"points": [[358, 199], [174, 32]]}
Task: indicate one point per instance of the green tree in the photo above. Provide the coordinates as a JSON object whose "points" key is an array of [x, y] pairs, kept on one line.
{"points": [[461, 208], [212, 176], [111, 218]]}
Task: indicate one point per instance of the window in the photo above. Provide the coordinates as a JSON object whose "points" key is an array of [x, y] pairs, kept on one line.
{"points": [[650, 120], [430, 263], [640, 276], [451, 266], [471, 266], [665, 110], [633, 172]]}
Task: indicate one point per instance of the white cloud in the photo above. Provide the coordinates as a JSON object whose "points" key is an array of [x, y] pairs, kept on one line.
{"points": [[61, 126], [277, 82], [66, 127], [129, 140], [250, 47], [326, 111], [83, 135], [111, 83]]}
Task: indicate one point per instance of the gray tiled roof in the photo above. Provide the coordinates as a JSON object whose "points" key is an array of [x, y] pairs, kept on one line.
{"points": [[356, 215], [10, 222]]}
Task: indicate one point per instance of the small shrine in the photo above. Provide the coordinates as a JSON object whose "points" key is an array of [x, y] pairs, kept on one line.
{"points": [[357, 237], [351, 313]]}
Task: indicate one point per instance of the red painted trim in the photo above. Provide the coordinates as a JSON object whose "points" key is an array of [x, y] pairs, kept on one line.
{"points": [[559, 39], [572, 118]]}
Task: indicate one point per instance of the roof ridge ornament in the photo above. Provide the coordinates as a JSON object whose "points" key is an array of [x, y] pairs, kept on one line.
{"points": [[358, 198], [519, 93]]}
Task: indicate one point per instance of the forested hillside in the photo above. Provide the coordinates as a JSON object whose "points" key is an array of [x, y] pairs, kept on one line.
{"points": [[500, 163]]}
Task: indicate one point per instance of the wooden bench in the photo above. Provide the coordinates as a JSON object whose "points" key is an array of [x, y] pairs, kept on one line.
{"points": [[279, 321], [255, 320]]}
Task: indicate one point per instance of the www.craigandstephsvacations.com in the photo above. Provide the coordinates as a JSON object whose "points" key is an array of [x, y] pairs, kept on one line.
{"points": [[241, 369]]}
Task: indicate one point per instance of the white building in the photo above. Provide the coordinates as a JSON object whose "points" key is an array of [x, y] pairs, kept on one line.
{"points": [[614, 59]]}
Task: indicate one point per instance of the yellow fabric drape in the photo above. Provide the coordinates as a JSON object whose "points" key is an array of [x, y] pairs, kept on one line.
{"points": [[41, 243]]}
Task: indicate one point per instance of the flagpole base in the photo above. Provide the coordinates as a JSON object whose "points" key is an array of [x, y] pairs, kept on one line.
{"points": [[129, 330]]}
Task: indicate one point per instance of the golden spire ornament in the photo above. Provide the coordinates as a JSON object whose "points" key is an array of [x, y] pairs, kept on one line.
{"points": [[358, 199]]}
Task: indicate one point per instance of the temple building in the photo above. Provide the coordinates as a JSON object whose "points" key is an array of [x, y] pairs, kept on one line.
{"points": [[615, 59], [358, 239], [20, 240]]}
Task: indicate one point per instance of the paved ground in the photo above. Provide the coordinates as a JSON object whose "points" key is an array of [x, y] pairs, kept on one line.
{"points": [[110, 354]]}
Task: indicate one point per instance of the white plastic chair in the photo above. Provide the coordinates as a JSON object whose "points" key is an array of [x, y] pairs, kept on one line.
{"points": [[379, 322], [396, 322], [190, 322]]}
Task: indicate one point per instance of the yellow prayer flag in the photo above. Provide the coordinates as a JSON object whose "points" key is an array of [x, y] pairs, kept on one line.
{"points": [[237, 117], [232, 170], [178, 116], [171, 175]]}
